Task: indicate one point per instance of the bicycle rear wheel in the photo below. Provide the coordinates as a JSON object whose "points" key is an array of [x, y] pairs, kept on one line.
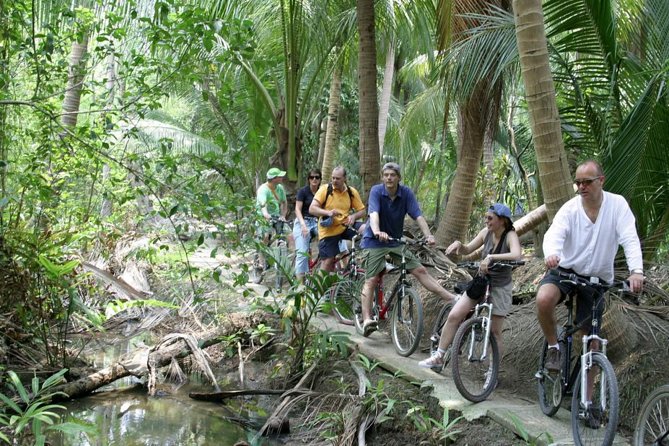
{"points": [[597, 424], [436, 335], [407, 321], [281, 263], [474, 376], [345, 297], [549, 385], [652, 427]]}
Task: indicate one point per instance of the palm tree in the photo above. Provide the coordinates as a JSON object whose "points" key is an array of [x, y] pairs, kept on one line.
{"points": [[542, 105], [478, 113], [369, 108]]}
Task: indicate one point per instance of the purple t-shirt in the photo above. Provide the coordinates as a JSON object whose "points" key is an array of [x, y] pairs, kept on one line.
{"points": [[391, 213]]}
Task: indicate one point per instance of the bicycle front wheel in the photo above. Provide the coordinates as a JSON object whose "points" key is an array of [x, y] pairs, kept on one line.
{"points": [[474, 369], [652, 427], [406, 325], [549, 385], [281, 263], [596, 424], [345, 297], [257, 268]]}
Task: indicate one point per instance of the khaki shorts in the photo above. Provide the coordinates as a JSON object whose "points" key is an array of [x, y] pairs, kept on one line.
{"points": [[501, 298], [374, 259]]}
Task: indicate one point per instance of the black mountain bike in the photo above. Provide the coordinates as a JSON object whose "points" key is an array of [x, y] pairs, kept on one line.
{"points": [[591, 382]]}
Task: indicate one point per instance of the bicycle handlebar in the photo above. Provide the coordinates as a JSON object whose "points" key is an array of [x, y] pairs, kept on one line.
{"points": [[575, 279], [407, 241], [496, 263]]}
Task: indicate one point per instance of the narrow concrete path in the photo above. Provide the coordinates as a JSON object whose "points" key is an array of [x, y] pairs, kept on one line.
{"points": [[506, 408]]}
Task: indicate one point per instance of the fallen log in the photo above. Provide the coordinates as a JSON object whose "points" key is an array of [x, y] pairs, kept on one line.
{"points": [[135, 363]]}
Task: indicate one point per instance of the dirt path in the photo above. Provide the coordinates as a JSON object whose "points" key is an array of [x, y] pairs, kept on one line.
{"points": [[519, 415]]}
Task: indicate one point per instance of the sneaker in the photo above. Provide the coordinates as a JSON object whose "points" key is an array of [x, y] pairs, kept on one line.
{"points": [[435, 361], [593, 418], [552, 363], [369, 327]]}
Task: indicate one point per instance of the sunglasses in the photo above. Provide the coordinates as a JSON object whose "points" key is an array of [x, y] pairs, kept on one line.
{"points": [[489, 217], [586, 182], [314, 177]]}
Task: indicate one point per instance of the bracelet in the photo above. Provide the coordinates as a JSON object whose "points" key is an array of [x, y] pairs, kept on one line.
{"points": [[637, 271]]}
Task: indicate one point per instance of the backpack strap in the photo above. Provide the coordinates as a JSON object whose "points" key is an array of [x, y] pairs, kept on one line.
{"points": [[498, 248], [329, 192]]}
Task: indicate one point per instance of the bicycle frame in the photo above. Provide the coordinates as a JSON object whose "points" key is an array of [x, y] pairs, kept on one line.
{"points": [[483, 310], [584, 362], [386, 306]]}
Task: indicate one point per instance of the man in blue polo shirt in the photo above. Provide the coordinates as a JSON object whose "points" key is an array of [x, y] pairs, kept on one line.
{"points": [[388, 204]]}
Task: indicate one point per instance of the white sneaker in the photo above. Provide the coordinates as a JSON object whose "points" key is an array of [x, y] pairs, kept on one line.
{"points": [[433, 362]]}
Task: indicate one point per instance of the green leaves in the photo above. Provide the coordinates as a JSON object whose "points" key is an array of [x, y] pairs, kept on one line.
{"points": [[55, 270]]}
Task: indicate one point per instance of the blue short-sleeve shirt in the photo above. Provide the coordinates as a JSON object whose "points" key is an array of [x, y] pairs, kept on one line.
{"points": [[391, 213]]}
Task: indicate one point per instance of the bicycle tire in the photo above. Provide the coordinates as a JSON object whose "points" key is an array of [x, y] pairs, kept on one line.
{"points": [[345, 297], [406, 325], [278, 252], [586, 434], [549, 385], [436, 335], [358, 320], [470, 375], [279, 264], [257, 269], [652, 426]]}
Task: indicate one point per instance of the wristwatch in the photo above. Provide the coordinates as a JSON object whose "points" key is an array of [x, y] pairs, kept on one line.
{"points": [[637, 271]]}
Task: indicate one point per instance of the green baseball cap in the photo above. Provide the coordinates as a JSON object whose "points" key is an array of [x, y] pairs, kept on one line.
{"points": [[275, 172]]}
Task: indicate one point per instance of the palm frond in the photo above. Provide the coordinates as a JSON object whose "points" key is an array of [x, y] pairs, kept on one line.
{"points": [[151, 133]]}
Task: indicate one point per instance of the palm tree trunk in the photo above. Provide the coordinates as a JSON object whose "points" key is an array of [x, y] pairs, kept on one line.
{"points": [[540, 95], [472, 127], [369, 108], [332, 131]]}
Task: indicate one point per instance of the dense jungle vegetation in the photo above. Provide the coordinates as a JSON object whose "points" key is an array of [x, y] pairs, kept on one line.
{"points": [[157, 120]]}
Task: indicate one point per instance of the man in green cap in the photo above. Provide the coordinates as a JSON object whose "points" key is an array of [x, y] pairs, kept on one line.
{"points": [[272, 204]]}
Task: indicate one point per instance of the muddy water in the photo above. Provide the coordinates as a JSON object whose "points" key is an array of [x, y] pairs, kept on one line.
{"points": [[123, 414], [131, 418]]}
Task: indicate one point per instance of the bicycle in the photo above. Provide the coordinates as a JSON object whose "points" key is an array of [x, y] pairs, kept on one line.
{"points": [[475, 367], [346, 292], [404, 305], [652, 426], [594, 419], [277, 251]]}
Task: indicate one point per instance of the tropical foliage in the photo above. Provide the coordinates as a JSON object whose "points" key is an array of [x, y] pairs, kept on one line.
{"points": [[182, 106]]}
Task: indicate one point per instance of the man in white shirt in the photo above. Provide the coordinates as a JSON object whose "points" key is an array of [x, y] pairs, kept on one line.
{"points": [[583, 239]]}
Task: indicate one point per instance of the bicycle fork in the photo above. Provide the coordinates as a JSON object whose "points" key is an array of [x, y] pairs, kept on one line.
{"points": [[485, 325], [586, 365]]}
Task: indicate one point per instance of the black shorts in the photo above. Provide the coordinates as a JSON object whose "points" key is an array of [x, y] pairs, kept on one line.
{"points": [[585, 296], [328, 247]]}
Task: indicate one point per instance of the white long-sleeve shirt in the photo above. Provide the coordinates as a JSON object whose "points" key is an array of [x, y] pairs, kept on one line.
{"points": [[590, 248]]}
